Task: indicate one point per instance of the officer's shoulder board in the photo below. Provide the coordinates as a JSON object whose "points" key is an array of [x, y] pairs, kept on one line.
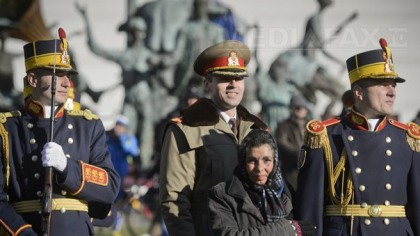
{"points": [[176, 120], [315, 137], [5, 115], [87, 114], [316, 133], [413, 133]]}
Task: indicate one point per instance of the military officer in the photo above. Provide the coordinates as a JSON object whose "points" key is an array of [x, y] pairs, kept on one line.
{"points": [[200, 147], [361, 173], [85, 183]]}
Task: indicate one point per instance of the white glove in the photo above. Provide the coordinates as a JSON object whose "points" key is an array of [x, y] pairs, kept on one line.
{"points": [[53, 156]]}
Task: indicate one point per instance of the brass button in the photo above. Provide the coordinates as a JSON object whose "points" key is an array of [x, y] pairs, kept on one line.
{"points": [[34, 158], [387, 139], [354, 153], [37, 175], [375, 211], [367, 222], [388, 168], [30, 125], [68, 155], [358, 170], [387, 203], [70, 126], [32, 141], [388, 152], [350, 138], [63, 210], [39, 194], [63, 192], [70, 141], [388, 186], [362, 188], [364, 205], [386, 221]]}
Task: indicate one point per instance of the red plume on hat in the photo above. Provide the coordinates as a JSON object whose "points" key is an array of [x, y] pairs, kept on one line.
{"points": [[384, 46], [65, 58]]}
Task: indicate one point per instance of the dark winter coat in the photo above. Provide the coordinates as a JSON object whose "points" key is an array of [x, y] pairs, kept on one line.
{"points": [[233, 213]]}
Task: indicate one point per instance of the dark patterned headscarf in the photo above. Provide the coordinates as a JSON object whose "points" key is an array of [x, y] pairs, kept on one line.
{"points": [[267, 197]]}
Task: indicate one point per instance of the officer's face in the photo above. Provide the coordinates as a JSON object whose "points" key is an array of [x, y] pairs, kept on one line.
{"points": [[41, 80], [226, 92], [259, 163], [377, 98]]}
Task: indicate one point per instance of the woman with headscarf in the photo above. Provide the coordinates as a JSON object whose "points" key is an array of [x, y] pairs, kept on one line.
{"points": [[256, 201]]}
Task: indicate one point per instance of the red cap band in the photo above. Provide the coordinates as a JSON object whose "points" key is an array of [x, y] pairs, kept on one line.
{"points": [[222, 62]]}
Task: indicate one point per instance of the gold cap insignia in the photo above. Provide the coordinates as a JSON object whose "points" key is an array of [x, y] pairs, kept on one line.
{"points": [[233, 59]]}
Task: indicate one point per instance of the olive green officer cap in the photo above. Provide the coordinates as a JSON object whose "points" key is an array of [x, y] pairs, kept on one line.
{"points": [[228, 58]]}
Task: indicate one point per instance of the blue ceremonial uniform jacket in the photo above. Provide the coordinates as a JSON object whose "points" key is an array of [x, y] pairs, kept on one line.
{"points": [[384, 168], [89, 175]]}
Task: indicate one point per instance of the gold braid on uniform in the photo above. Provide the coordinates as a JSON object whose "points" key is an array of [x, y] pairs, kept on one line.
{"points": [[317, 137], [5, 148], [5, 143], [333, 176], [413, 136]]}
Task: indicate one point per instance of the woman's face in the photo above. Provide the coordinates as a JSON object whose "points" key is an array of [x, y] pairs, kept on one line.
{"points": [[259, 163]]}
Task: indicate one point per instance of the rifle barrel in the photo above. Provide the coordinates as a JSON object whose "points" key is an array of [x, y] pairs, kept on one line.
{"points": [[48, 189]]}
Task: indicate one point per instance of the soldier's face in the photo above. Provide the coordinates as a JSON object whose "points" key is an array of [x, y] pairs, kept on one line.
{"points": [[41, 80], [259, 163], [377, 98], [226, 92]]}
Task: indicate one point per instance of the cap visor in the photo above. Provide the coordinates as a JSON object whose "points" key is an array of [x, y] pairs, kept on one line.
{"points": [[399, 80]]}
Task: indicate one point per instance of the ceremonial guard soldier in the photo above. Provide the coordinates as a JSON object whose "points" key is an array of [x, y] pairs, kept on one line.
{"points": [[360, 175], [84, 183]]}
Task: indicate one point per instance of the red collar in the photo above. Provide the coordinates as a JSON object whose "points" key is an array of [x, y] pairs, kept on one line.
{"points": [[37, 109], [360, 122]]}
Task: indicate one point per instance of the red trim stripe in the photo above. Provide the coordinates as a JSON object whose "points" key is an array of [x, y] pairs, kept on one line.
{"points": [[222, 62]]}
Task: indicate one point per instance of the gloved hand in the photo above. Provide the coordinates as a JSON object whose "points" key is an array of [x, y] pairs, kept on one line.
{"points": [[303, 228], [53, 156]]}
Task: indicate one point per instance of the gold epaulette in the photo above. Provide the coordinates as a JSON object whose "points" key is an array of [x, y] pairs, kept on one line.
{"points": [[413, 133], [87, 114], [5, 115], [176, 120], [5, 148], [413, 136], [5, 143], [317, 132]]}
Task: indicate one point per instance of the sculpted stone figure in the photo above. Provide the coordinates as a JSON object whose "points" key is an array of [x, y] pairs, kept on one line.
{"points": [[198, 34], [297, 70], [146, 94], [10, 98]]}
